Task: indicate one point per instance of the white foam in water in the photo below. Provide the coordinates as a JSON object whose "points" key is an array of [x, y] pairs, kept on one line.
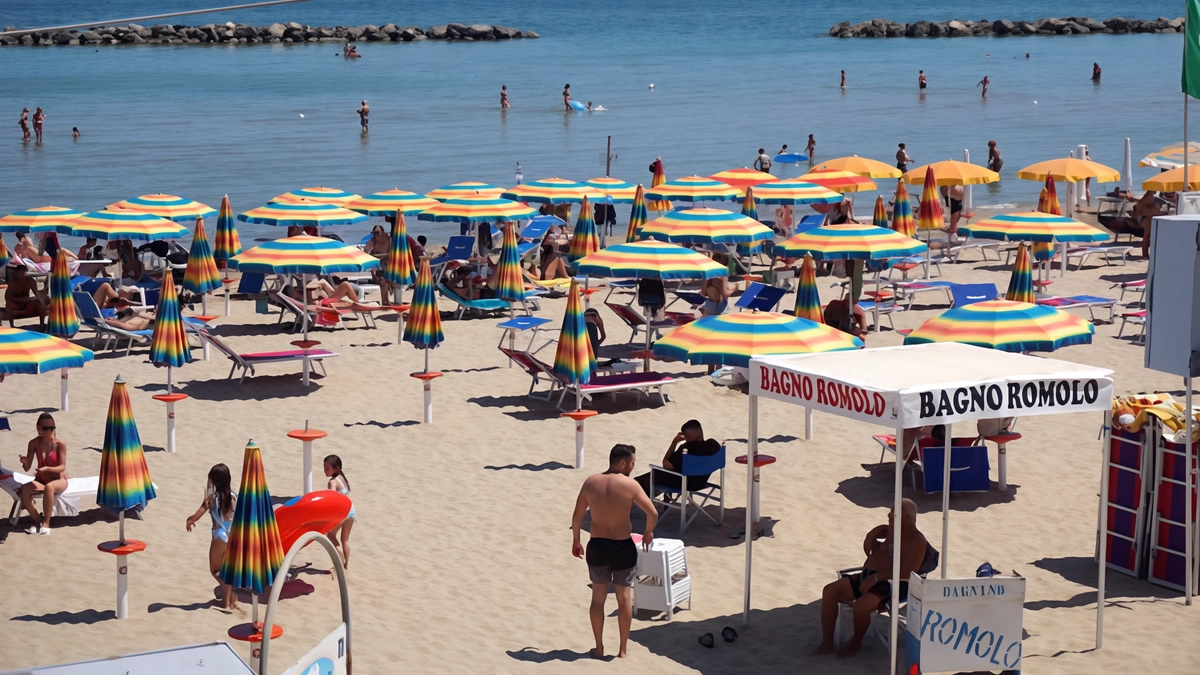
{"points": [[996, 206]]}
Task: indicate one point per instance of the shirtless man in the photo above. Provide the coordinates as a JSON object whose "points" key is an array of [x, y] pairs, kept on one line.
{"points": [[921, 80], [902, 158], [24, 124], [38, 118], [843, 79], [363, 113], [984, 83], [21, 299], [872, 588], [611, 554]]}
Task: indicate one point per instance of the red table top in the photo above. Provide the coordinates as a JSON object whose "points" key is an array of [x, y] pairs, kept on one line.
{"points": [[169, 398], [397, 308], [1003, 438], [248, 632], [580, 414], [306, 344], [115, 547], [426, 376], [759, 459], [307, 434], [206, 317], [228, 281]]}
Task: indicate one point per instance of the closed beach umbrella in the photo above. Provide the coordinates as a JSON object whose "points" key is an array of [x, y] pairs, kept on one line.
{"points": [[795, 192], [1007, 326], [637, 215], [552, 191], [1033, 226], [1051, 205], [574, 359], [838, 181], [650, 260], [902, 215], [301, 214], [731, 339], [62, 322], [398, 267], [4, 255], [254, 553], [749, 208], [707, 226], [510, 287], [585, 240], [692, 189], [1172, 181], [1043, 203], [319, 195], [1069, 169], [477, 209], [952, 172], [166, 206], [849, 241], [125, 224], [879, 218], [389, 202], [808, 299], [424, 327], [929, 213], [659, 177], [1047, 203], [467, 189], [201, 275], [617, 190], [40, 219], [744, 177], [1020, 284], [226, 242], [863, 166], [168, 344]]}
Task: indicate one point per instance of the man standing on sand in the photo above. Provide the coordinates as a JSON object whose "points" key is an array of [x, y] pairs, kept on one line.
{"points": [[38, 118], [363, 113], [504, 97], [24, 124], [921, 79], [611, 554], [984, 82], [902, 159], [763, 162]]}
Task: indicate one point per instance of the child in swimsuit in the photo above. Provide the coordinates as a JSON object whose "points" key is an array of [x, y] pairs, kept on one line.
{"points": [[340, 535], [218, 502]]}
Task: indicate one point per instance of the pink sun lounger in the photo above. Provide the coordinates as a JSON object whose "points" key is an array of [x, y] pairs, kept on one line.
{"points": [[247, 362]]}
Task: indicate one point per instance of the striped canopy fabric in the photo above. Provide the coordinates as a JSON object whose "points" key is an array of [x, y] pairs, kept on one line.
{"points": [[226, 242], [952, 172], [615, 189], [166, 206], [318, 195], [1069, 169], [744, 177], [863, 166], [424, 327], [303, 254], [31, 353], [168, 344], [124, 477], [301, 214], [637, 215], [879, 218], [692, 189], [40, 219], [467, 189], [477, 209], [510, 287], [849, 241], [1033, 226], [255, 552], [398, 268], [749, 207], [4, 255], [574, 359], [63, 321], [650, 260], [388, 202], [125, 224], [902, 215], [808, 298], [552, 191], [586, 238], [731, 339], [838, 181], [794, 192], [201, 275], [659, 177], [707, 226], [929, 213], [1020, 284], [1007, 326]]}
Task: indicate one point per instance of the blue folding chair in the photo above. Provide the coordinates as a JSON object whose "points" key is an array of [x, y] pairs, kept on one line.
{"points": [[762, 298], [966, 294], [808, 222], [683, 496], [458, 248]]}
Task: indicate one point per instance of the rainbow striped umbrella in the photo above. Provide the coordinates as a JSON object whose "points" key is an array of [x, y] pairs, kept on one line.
{"points": [[617, 190], [1020, 285], [468, 189], [4, 256], [868, 168], [254, 553], [1007, 326], [201, 275], [731, 339], [650, 260], [226, 242], [166, 206], [637, 215], [424, 328], [707, 226], [849, 241], [574, 360], [301, 214], [692, 189], [124, 477], [552, 191], [31, 353], [838, 181], [1049, 203], [63, 321], [585, 240], [398, 268], [477, 209], [929, 213], [1033, 226], [319, 195], [510, 287], [389, 202], [40, 219], [808, 299], [168, 344], [902, 215], [744, 177], [749, 208], [879, 218], [794, 192], [659, 177], [125, 224], [952, 172], [303, 254]]}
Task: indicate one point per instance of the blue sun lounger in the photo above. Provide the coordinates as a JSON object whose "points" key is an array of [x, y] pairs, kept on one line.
{"points": [[483, 305]]}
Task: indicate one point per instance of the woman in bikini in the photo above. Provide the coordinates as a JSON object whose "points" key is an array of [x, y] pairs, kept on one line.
{"points": [[38, 118], [24, 124], [218, 502], [26, 249], [340, 535], [51, 476]]}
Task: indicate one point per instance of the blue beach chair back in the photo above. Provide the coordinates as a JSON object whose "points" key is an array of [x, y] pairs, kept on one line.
{"points": [[761, 297], [966, 294]]}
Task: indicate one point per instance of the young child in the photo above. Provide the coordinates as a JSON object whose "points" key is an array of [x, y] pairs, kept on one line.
{"points": [[218, 503], [340, 535]]}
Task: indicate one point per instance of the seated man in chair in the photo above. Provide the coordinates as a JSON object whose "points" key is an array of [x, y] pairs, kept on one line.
{"points": [[22, 300], [871, 589], [690, 440]]}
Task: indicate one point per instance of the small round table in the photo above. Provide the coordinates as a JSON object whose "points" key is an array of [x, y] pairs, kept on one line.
{"points": [[579, 416], [760, 460], [307, 436], [226, 282], [1002, 440], [207, 319], [170, 400], [306, 345], [427, 379], [252, 633], [122, 551]]}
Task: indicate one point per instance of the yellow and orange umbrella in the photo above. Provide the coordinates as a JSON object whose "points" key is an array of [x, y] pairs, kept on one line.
{"points": [[838, 181], [1172, 181], [465, 189], [167, 206], [744, 177], [863, 166], [1069, 169], [952, 172], [320, 195], [40, 219]]}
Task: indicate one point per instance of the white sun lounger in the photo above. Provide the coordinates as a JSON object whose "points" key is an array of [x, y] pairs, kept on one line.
{"points": [[247, 361], [65, 504], [1107, 253]]}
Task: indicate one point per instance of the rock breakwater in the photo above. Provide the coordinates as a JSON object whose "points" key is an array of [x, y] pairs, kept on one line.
{"points": [[1071, 25], [276, 33]]}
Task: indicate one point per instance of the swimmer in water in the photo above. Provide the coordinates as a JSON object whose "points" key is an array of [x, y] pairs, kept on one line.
{"points": [[843, 79], [24, 124], [567, 97], [504, 97], [75, 133], [984, 82], [363, 114], [38, 118], [921, 80], [589, 106]]}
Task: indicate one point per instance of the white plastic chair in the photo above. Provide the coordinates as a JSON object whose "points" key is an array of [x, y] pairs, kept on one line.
{"points": [[661, 580]]}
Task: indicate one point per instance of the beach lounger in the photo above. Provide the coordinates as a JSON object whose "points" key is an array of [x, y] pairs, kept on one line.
{"points": [[954, 253], [485, 305], [637, 322], [966, 294], [458, 249], [908, 290], [760, 298], [1091, 302], [681, 497], [599, 384], [530, 238], [246, 362], [66, 504], [1106, 253], [313, 315], [91, 316], [1138, 286], [881, 308], [1137, 318]]}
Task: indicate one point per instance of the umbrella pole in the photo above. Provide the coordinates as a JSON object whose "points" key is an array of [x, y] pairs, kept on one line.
{"points": [[204, 312], [304, 319], [63, 386], [646, 362], [170, 413], [121, 527], [400, 315], [751, 453], [225, 283], [122, 574], [928, 251]]}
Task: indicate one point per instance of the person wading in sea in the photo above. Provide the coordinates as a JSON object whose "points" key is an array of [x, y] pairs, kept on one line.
{"points": [[363, 113]]}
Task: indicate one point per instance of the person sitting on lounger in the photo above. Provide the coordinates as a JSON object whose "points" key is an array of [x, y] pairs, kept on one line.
{"points": [[51, 476], [871, 589], [595, 329], [107, 297], [379, 243], [689, 441], [21, 298], [852, 321], [131, 320], [553, 266], [28, 250], [1143, 213], [320, 291], [464, 284]]}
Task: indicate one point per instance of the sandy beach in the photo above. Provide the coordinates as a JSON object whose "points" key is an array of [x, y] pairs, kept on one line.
{"points": [[461, 552]]}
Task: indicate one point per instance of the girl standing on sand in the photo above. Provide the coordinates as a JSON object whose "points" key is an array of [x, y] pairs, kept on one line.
{"points": [[340, 535], [218, 502]]}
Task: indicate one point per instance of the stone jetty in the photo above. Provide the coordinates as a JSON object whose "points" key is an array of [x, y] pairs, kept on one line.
{"points": [[276, 33], [1071, 25]]}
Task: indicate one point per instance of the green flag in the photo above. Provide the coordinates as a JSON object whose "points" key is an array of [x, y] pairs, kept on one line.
{"points": [[1191, 50]]}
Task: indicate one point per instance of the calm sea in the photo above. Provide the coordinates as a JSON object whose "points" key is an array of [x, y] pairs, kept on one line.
{"points": [[255, 121]]}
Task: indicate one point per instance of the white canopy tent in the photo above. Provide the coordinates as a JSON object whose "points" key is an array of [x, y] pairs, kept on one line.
{"points": [[920, 385]]}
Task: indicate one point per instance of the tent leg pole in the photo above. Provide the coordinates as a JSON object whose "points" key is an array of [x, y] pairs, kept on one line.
{"points": [[898, 487], [63, 386], [949, 442], [1189, 536], [1106, 419], [751, 453], [808, 424]]}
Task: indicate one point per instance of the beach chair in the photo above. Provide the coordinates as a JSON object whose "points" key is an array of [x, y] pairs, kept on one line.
{"points": [[760, 298], [846, 611], [1136, 286], [680, 498], [458, 249], [908, 290], [881, 309], [1106, 253], [966, 294], [66, 503], [484, 305], [615, 384], [530, 238], [1091, 302], [1137, 318], [312, 315], [969, 466], [636, 322], [954, 253], [91, 316], [535, 369], [247, 361]]}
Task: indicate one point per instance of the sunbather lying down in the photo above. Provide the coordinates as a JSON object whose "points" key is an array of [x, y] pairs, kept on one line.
{"points": [[128, 319], [321, 292]]}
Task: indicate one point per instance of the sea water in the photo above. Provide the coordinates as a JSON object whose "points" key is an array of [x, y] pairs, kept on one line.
{"points": [[254, 121]]}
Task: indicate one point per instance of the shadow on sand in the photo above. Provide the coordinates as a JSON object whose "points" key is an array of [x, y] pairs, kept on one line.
{"points": [[875, 491], [83, 617]]}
